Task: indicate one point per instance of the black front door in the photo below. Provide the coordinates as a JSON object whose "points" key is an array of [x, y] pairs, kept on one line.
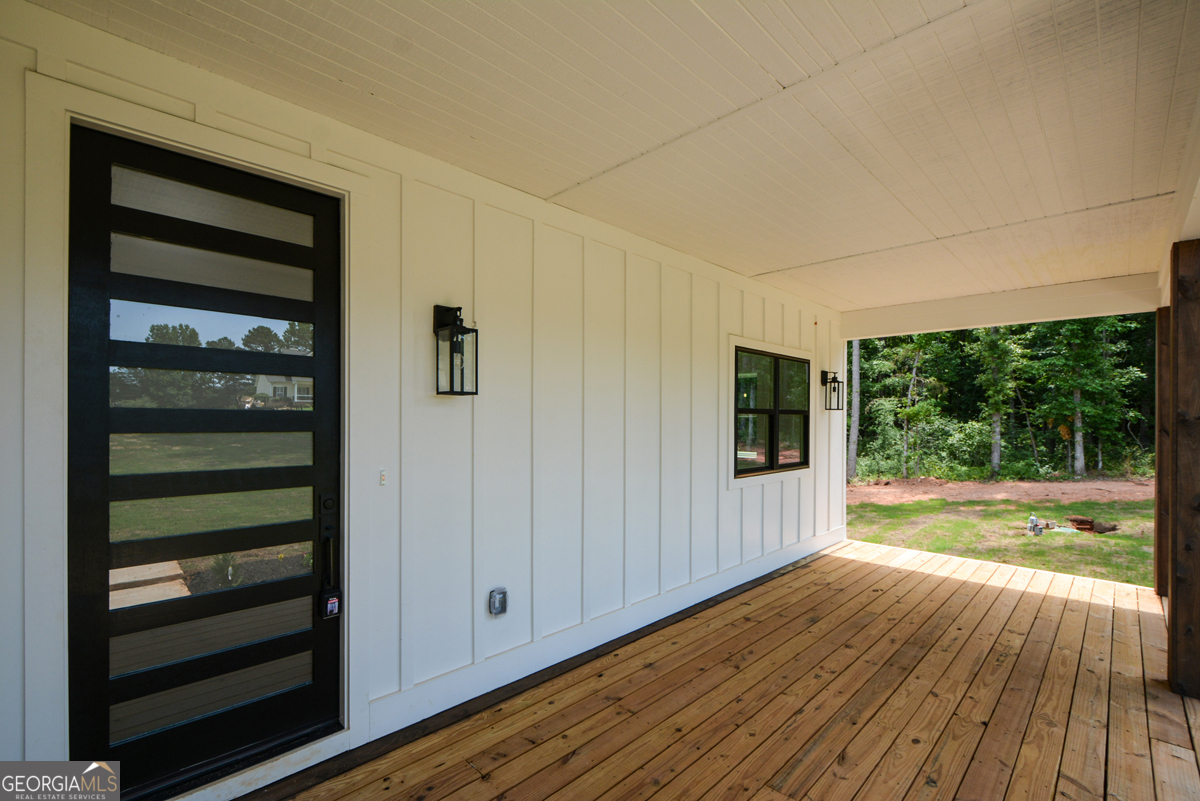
{"points": [[204, 463]]}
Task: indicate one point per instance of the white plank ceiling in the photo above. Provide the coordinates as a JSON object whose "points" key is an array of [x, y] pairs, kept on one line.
{"points": [[862, 153]]}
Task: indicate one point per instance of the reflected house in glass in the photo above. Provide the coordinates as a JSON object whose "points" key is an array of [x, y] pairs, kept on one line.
{"points": [[295, 389]]}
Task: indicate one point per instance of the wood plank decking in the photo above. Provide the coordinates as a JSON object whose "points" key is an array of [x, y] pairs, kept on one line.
{"points": [[869, 673]]}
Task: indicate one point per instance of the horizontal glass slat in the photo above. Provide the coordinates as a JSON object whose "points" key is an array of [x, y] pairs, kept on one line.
{"points": [[131, 321], [180, 578], [169, 644], [153, 193], [182, 704], [150, 258], [165, 517], [139, 454], [145, 387]]}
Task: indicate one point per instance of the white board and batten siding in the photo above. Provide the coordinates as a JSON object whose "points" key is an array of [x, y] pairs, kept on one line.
{"points": [[590, 476]]}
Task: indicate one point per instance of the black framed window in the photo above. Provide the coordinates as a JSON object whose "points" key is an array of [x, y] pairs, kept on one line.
{"points": [[772, 412]]}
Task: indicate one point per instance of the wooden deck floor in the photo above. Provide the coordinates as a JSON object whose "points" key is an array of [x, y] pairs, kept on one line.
{"points": [[869, 673]]}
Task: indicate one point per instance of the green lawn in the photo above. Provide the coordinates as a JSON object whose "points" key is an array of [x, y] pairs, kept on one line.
{"points": [[995, 531], [165, 517], [170, 453], [160, 453]]}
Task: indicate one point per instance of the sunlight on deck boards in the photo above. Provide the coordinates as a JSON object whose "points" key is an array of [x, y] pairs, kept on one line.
{"points": [[868, 673]]}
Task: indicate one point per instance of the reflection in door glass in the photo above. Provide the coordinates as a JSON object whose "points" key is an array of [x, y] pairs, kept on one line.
{"points": [[190, 514], [169, 262], [140, 650], [130, 321], [181, 578], [148, 388], [142, 190], [132, 454], [168, 708]]}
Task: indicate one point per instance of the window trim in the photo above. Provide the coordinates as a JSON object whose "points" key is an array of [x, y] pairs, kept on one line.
{"points": [[738, 480]]}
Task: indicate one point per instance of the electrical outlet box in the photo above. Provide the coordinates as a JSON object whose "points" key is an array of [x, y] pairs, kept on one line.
{"points": [[498, 601]]}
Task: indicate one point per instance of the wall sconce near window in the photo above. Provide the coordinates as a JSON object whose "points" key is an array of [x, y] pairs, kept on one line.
{"points": [[833, 390], [457, 352]]}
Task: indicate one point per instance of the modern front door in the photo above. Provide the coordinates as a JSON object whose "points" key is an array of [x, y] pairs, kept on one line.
{"points": [[204, 463]]}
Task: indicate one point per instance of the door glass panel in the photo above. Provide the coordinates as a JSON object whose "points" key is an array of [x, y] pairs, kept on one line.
{"points": [[133, 454], [163, 646], [180, 578], [152, 259], [191, 514], [755, 381], [131, 321], [141, 190], [793, 385], [792, 432], [181, 704], [148, 388], [753, 433]]}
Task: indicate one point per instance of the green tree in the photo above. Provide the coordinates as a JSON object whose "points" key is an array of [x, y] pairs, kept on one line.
{"points": [[179, 389], [298, 335], [1082, 378], [999, 352], [181, 334], [262, 338]]}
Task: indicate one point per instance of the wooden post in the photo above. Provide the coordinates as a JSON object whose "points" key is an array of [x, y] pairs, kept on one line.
{"points": [[1183, 622], [1162, 452]]}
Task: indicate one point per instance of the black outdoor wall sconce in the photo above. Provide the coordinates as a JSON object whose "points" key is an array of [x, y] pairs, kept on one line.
{"points": [[457, 353], [833, 390]]}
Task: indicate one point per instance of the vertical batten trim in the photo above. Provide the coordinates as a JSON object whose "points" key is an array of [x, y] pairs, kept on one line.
{"points": [[535, 629], [534, 632], [473, 616]]}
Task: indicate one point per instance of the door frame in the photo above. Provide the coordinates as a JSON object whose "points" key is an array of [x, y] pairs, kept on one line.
{"points": [[52, 106]]}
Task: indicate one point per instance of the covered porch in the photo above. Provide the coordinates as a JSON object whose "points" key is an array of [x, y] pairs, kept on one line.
{"points": [[863, 672]]}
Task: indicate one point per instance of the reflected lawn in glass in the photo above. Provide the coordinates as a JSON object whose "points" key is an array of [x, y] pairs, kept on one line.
{"points": [[166, 517], [133, 454]]}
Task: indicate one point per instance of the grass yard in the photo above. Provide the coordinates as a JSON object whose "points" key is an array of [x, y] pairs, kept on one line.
{"points": [[995, 531], [131, 454]]}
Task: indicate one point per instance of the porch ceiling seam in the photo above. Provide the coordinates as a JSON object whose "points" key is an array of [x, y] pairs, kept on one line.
{"points": [[965, 234], [930, 27]]}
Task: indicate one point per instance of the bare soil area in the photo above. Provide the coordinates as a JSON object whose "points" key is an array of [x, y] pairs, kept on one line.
{"points": [[906, 490]]}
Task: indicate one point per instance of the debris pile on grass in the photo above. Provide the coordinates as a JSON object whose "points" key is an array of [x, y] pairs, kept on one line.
{"points": [[1076, 522]]}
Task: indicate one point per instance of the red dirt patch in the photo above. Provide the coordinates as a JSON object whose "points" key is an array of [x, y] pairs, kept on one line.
{"points": [[904, 490]]}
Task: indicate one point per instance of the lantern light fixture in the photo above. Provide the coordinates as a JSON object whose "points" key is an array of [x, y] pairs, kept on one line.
{"points": [[833, 390], [457, 355]]}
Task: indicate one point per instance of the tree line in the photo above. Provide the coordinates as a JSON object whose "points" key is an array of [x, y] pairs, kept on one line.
{"points": [[185, 389], [1023, 402]]}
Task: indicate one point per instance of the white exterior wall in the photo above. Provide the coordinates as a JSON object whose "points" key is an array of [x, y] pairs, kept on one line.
{"points": [[591, 476]]}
